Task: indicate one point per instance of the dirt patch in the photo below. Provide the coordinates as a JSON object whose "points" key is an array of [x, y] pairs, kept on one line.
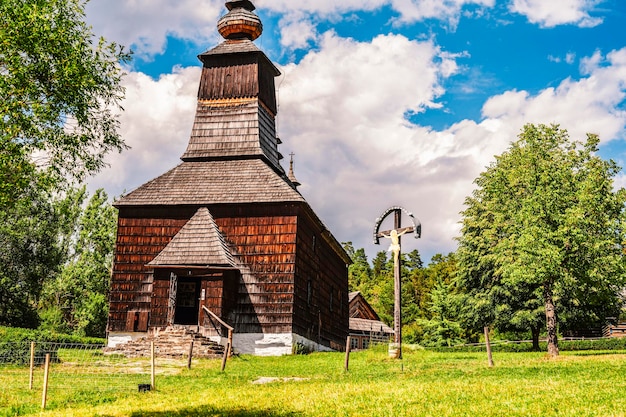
{"points": [[269, 380]]}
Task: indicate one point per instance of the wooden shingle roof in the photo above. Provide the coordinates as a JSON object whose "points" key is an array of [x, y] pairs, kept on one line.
{"points": [[237, 46], [199, 242], [360, 308], [242, 129], [215, 182], [369, 326], [232, 46]]}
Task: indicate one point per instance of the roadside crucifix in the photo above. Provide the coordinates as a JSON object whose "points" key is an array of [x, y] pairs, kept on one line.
{"points": [[395, 235]]}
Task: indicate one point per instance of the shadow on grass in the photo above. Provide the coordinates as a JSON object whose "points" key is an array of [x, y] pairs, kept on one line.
{"points": [[206, 410]]}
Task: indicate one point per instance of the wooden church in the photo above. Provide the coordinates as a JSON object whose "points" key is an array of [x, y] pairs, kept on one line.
{"points": [[225, 238]]}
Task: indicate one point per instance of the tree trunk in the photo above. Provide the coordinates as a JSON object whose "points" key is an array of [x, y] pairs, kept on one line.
{"points": [[553, 346], [535, 332]]}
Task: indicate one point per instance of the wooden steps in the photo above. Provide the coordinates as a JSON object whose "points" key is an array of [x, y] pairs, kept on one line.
{"points": [[171, 342]]}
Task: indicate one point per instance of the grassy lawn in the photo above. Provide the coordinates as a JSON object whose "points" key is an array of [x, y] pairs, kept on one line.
{"points": [[422, 384]]}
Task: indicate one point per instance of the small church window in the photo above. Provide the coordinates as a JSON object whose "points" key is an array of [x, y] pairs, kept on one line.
{"points": [[332, 291], [309, 292], [340, 301]]}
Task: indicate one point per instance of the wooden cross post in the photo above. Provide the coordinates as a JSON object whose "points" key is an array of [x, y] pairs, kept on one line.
{"points": [[395, 247]]}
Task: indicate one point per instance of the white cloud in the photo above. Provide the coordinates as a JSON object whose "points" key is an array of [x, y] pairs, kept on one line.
{"points": [[448, 10], [156, 124], [146, 24], [324, 8], [409, 10], [549, 13], [342, 114], [296, 31], [590, 104], [570, 57]]}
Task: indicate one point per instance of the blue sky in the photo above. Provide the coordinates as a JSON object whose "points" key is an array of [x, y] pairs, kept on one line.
{"points": [[384, 102]]}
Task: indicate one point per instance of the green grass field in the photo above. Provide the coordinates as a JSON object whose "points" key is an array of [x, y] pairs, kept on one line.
{"points": [[424, 383]]}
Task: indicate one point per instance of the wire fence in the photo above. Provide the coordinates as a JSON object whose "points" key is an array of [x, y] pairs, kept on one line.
{"points": [[63, 373]]}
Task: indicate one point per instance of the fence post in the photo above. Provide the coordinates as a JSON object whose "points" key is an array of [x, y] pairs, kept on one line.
{"points": [[488, 344], [348, 343], [190, 355], [225, 356], [44, 395], [152, 370], [32, 365]]}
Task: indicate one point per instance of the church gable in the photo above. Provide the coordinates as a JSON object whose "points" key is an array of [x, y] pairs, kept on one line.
{"points": [[199, 242]]}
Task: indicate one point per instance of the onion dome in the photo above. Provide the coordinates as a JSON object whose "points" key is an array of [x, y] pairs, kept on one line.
{"points": [[240, 22]]}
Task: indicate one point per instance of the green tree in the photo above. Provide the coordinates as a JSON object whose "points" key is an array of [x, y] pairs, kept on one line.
{"points": [[443, 328], [76, 300], [60, 94], [542, 233], [442, 268], [360, 272], [380, 293], [421, 283], [30, 253]]}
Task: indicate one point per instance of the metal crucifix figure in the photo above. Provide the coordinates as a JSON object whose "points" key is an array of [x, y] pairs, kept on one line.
{"points": [[395, 247]]}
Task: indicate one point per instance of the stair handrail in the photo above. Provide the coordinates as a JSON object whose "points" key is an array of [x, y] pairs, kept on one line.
{"points": [[223, 323]]}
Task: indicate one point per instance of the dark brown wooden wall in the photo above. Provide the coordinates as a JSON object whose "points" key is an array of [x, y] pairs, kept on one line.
{"points": [[280, 249], [241, 76], [266, 248], [321, 290], [266, 245], [139, 240], [220, 293], [233, 81]]}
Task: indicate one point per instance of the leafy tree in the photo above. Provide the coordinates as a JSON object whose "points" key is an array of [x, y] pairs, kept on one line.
{"points": [[377, 284], [76, 300], [543, 233], [59, 94], [422, 283], [29, 254], [420, 316], [441, 268], [442, 329], [60, 91], [360, 272], [411, 267]]}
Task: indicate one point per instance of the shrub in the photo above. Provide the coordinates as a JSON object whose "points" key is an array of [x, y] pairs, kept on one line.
{"points": [[564, 345], [15, 344], [300, 348]]}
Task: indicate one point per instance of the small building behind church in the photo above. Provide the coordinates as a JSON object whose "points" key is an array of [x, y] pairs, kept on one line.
{"points": [[366, 327], [227, 231]]}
